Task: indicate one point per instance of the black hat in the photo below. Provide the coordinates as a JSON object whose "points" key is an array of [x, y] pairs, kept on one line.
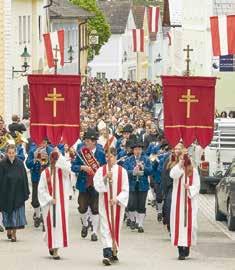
{"points": [[91, 134], [128, 128], [137, 143]]}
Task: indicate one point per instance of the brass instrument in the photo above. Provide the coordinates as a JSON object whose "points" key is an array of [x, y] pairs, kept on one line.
{"points": [[20, 138], [43, 159], [154, 157], [5, 140]]}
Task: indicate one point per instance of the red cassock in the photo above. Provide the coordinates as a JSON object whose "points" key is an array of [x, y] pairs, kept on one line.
{"points": [[54, 108], [189, 107]]}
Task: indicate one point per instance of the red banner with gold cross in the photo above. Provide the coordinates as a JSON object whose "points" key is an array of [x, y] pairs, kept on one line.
{"points": [[54, 108], [189, 108]]}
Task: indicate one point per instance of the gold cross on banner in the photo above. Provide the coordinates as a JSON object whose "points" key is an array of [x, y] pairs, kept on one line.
{"points": [[188, 99], [54, 97]]}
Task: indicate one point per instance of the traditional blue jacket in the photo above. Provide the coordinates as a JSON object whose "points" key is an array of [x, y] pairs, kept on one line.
{"points": [[152, 149], [139, 183], [158, 167], [20, 152], [35, 166], [123, 155], [82, 176]]}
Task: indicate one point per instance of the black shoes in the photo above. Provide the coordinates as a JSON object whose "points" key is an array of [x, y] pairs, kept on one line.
{"points": [[107, 261], [84, 232], [132, 226], [37, 222], [94, 237], [1, 229], [159, 217], [140, 230], [183, 253]]}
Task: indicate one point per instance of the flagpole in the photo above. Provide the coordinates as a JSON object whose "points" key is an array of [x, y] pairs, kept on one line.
{"points": [[110, 181]]}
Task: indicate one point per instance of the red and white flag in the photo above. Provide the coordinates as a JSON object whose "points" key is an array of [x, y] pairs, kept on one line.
{"points": [[153, 19], [223, 34], [54, 44], [138, 40]]}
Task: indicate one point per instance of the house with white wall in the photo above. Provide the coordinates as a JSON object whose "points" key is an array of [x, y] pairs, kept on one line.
{"points": [[24, 23], [116, 58]]}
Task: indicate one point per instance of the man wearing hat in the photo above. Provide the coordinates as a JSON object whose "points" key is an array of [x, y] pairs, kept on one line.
{"points": [[126, 134], [90, 156], [139, 168], [36, 162]]}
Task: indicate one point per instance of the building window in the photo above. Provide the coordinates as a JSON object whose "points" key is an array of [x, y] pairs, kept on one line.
{"points": [[24, 29], [20, 30], [69, 38], [29, 29], [40, 28], [100, 75]]}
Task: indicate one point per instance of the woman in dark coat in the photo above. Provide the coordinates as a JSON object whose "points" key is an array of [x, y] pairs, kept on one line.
{"points": [[167, 185], [14, 191]]}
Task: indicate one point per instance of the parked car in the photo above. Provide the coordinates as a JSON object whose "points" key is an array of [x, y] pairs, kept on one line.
{"points": [[225, 198], [218, 155]]}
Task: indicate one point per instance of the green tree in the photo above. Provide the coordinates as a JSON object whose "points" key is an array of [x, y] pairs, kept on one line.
{"points": [[98, 23], [146, 2]]}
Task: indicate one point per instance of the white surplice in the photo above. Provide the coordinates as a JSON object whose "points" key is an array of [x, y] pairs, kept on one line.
{"points": [[56, 237], [103, 141], [122, 199], [182, 235]]}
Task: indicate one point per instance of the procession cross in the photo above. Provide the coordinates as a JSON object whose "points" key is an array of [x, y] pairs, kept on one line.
{"points": [[56, 49], [188, 99], [188, 60], [54, 97]]}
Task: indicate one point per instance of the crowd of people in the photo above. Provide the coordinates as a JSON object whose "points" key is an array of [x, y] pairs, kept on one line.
{"points": [[120, 158]]}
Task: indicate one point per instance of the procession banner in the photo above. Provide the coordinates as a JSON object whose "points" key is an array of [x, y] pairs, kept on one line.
{"points": [[54, 108], [189, 106]]}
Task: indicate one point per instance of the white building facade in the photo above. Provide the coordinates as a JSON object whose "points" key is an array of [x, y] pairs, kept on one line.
{"points": [[116, 58]]}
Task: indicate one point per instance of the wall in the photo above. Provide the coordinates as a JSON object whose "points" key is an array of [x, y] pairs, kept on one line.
{"points": [[108, 61], [2, 62]]}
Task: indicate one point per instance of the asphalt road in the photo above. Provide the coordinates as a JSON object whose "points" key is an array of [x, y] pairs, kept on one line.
{"points": [[151, 250]]}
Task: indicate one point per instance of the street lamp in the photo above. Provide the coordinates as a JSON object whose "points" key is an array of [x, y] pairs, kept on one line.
{"points": [[70, 53], [124, 57], [158, 59], [25, 57]]}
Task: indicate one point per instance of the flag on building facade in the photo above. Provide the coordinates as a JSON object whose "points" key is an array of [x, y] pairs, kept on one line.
{"points": [[223, 34], [153, 19], [138, 40], [189, 107], [54, 108], [54, 45]]}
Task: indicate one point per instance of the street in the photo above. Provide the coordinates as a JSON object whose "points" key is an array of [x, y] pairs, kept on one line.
{"points": [[151, 250]]}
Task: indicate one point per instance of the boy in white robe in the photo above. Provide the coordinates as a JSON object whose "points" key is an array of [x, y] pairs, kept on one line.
{"points": [[56, 232], [184, 235], [120, 185]]}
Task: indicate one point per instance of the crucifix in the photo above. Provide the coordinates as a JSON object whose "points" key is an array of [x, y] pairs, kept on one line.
{"points": [[54, 97], [188, 99], [188, 60], [56, 49]]}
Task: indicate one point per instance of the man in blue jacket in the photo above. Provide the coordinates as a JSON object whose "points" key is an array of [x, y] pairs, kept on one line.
{"points": [[88, 196], [36, 162], [139, 169]]}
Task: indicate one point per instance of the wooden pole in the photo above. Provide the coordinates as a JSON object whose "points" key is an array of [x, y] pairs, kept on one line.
{"points": [[110, 181], [185, 199], [188, 60], [53, 171]]}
